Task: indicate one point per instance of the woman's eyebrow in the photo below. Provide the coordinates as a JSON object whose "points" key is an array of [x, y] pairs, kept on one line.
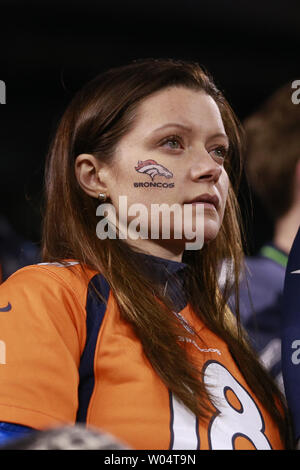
{"points": [[219, 134], [173, 124], [189, 129]]}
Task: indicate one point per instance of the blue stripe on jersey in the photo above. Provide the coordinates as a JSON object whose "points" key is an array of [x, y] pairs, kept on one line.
{"points": [[95, 311], [291, 334]]}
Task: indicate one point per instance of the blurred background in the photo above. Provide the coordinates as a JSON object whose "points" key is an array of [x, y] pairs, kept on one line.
{"points": [[49, 49]]}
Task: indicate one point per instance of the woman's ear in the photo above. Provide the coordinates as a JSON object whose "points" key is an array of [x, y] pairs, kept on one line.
{"points": [[89, 173]]}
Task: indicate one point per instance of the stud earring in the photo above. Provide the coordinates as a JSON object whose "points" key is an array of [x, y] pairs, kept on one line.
{"points": [[102, 197]]}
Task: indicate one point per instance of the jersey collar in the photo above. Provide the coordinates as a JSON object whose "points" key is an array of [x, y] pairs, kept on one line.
{"points": [[168, 273], [275, 254]]}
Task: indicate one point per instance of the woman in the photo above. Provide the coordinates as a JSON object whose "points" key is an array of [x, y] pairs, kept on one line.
{"points": [[130, 335]]}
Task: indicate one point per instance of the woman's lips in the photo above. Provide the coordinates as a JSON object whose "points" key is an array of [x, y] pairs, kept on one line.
{"points": [[207, 205], [210, 201]]}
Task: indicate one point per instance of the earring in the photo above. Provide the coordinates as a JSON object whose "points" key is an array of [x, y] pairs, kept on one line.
{"points": [[102, 197]]}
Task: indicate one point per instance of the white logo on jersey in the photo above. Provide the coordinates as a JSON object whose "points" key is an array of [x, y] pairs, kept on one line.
{"points": [[59, 265], [296, 272], [204, 350], [186, 325]]}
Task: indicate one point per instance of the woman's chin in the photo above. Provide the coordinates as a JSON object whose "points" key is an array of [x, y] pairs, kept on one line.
{"points": [[211, 231]]}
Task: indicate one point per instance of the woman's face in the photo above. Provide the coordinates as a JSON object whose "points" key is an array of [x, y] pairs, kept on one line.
{"points": [[174, 154]]}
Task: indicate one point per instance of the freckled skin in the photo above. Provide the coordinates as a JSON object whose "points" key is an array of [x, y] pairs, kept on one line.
{"points": [[193, 161]]}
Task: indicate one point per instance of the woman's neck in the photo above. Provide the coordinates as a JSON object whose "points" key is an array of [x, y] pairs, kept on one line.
{"points": [[160, 248]]}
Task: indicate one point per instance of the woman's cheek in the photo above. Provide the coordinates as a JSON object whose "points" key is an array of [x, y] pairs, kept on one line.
{"points": [[224, 188]]}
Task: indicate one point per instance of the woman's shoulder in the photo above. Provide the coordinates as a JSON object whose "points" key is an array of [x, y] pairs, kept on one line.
{"points": [[52, 292], [51, 278], [63, 269]]}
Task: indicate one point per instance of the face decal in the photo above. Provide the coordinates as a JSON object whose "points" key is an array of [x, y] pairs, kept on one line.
{"points": [[150, 184], [152, 168]]}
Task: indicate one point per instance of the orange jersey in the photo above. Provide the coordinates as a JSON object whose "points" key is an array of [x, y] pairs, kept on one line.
{"points": [[66, 356]]}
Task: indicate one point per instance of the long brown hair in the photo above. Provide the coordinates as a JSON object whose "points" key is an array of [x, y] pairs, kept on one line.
{"points": [[100, 114]]}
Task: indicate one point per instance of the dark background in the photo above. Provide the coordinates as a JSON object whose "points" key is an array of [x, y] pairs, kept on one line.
{"points": [[49, 49]]}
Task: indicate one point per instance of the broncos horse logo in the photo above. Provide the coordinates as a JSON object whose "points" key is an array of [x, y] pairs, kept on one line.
{"points": [[152, 168]]}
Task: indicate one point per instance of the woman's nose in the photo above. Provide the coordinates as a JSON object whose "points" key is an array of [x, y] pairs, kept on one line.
{"points": [[204, 167]]}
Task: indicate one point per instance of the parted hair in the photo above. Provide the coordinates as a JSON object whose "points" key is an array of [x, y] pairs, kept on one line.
{"points": [[97, 117]]}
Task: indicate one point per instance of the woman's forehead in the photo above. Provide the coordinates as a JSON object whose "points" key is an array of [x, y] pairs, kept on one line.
{"points": [[193, 110]]}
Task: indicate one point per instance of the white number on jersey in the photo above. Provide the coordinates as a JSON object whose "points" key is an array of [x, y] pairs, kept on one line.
{"points": [[229, 422]]}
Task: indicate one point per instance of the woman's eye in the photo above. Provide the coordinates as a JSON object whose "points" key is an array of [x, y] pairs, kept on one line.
{"points": [[174, 140], [220, 152]]}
